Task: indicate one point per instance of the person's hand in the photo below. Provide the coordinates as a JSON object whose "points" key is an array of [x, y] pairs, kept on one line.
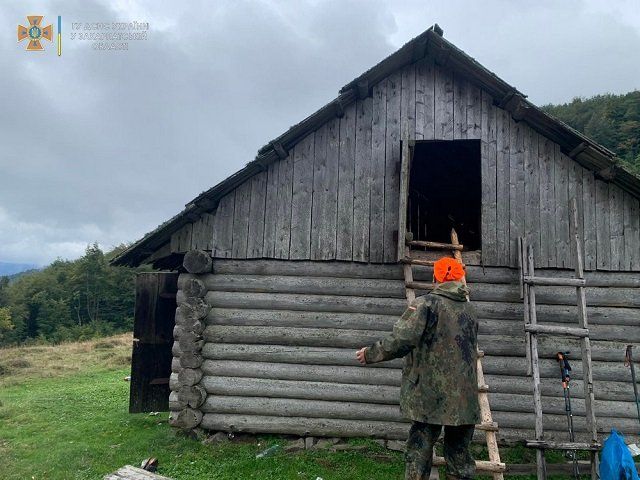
{"points": [[360, 355]]}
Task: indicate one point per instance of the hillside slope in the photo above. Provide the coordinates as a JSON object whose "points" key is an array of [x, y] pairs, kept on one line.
{"points": [[611, 120]]}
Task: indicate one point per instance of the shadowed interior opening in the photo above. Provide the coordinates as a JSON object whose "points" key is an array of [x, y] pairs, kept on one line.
{"points": [[445, 192]]}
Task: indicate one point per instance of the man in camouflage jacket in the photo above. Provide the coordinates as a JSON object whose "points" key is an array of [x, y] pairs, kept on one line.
{"points": [[437, 336]]}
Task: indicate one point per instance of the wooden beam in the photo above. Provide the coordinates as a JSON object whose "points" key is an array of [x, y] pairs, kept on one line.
{"points": [[338, 106], [362, 89], [608, 173], [555, 330], [578, 150], [280, 150]]}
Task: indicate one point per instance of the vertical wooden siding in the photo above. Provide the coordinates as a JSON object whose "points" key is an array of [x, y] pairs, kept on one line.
{"points": [[336, 195]]}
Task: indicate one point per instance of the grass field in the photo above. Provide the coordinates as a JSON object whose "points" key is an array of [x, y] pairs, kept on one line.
{"points": [[63, 415]]}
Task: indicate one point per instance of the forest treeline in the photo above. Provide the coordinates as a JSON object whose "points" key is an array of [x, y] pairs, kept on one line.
{"points": [[68, 300], [611, 120]]}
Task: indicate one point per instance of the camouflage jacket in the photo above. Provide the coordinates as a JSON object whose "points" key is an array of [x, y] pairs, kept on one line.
{"points": [[437, 336]]}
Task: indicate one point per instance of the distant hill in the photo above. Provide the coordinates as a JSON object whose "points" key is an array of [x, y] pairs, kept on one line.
{"points": [[611, 120], [9, 269]]}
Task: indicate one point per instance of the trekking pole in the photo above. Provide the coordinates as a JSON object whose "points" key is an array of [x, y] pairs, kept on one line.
{"points": [[565, 373], [628, 362]]}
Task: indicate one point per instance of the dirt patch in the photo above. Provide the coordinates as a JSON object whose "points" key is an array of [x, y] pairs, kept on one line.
{"points": [[104, 345], [19, 363]]}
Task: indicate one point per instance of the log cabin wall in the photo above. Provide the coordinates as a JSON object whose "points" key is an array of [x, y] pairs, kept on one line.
{"points": [[335, 196], [280, 340]]}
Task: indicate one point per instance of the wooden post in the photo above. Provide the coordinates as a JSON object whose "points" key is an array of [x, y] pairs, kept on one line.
{"points": [[585, 344], [533, 343]]}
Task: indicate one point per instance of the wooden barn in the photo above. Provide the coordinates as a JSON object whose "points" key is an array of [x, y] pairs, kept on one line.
{"points": [[304, 251]]}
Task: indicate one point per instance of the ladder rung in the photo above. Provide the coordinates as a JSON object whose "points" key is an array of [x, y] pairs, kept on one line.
{"points": [[555, 282], [483, 388], [480, 353], [545, 445], [420, 285], [438, 245], [487, 427], [554, 330], [417, 261], [481, 465]]}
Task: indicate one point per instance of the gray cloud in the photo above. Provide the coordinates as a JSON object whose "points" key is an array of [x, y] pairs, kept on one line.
{"points": [[103, 146]]}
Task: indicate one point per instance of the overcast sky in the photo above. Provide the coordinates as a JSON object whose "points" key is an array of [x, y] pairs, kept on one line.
{"points": [[103, 146]]}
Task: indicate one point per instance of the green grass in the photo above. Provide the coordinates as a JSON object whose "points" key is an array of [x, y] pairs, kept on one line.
{"points": [[63, 415], [72, 422]]}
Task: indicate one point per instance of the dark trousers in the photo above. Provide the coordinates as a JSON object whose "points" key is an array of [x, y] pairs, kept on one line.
{"points": [[419, 456]]}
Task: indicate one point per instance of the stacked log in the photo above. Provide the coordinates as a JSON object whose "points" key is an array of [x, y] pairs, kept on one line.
{"points": [[188, 394], [275, 348]]}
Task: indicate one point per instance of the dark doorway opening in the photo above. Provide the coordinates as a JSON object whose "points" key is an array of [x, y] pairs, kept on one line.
{"points": [[154, 320], [445, 192]]}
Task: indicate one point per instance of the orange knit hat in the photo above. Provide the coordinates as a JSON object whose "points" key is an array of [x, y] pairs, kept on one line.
{"points": [[448, 269]]}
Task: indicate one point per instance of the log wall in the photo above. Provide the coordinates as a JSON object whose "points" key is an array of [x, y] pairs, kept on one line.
{"points": [[278, 341], [335, 196]]}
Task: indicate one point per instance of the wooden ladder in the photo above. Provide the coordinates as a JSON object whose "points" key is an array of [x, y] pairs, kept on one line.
{"points": [[528, 282], [493, 465]]}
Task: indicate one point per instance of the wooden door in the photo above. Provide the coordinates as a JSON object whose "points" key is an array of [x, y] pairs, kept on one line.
{"points": [[153, 338], [405, 172]]}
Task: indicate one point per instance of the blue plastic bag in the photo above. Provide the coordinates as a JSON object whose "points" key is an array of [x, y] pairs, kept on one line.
{"points": [[616, 463]]}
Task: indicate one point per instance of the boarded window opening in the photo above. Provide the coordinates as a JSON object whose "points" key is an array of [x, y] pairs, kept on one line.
{"points": [[445, 192]]}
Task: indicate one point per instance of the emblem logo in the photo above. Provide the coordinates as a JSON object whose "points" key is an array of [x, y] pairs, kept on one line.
{"points": [[35, 32]]}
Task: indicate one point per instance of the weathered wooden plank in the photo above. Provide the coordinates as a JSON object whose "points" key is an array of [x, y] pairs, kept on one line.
{"points": [[312, 337], [363, 180], [443, 103], [603, 232], [460, 92], [241, 220], [223, 226], [631, 232], [378, 142], [257, 212], [474, 274], [502, 186], [269, 246], [181, 240], [616, 226], [310, 390], [318, 303], [532, 190], [516, 190], [301, 199], [589, 219], [561, 216], [489, 200], [576, 192], [292, 371], [425, 104], [474, 112], [346, 184], [312, 285], [326, 427], [202, 233], [313, 269], [283, 208], [289, 354], [285, 318], [325, 191], [392, 168], [547, 255], [408, 102], [295, 407]]}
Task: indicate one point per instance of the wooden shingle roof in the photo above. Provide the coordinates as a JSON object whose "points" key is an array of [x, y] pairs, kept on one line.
{"points": [[431, 44]]}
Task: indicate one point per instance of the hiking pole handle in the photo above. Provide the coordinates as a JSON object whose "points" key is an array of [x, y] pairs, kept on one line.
{"points": [[565, 367]]}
